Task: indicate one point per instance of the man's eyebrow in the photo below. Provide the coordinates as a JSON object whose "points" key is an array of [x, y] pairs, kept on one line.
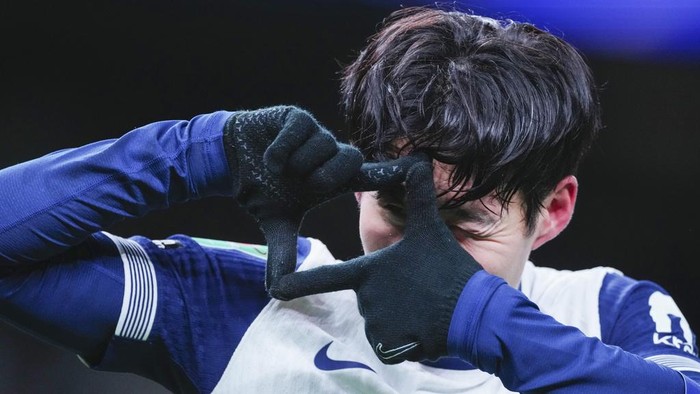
{"points": [[462, 213], [466, 215]]}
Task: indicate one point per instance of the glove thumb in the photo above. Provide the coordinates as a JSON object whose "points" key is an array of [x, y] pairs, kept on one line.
{"points": [[324, 279]]}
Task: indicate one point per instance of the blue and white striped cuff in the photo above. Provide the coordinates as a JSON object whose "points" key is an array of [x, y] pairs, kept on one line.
{"points": [[679, 363], [140, 291]]}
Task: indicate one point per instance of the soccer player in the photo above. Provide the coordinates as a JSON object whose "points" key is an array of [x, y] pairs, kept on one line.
{"points": [[474, 129]]}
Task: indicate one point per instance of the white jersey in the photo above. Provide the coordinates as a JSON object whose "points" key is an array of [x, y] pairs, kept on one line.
{"points": [[282, 349]]}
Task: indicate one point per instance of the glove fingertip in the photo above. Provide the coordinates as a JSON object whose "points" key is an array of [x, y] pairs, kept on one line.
{"points": [[337, 171], [285, 289], [419, 174]]}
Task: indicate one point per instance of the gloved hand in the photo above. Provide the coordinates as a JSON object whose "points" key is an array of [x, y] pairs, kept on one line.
{"points": [[406, 292], [285, 163]]}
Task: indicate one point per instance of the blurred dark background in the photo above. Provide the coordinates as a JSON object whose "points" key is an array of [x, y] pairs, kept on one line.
{"points": [[72, 73]]}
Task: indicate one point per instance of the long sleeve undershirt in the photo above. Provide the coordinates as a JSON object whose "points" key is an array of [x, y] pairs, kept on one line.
{"points": [[54, 202], [497, 329]]}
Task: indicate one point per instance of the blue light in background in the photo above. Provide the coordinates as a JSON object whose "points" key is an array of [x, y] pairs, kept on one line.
{"points": [[658, 30]]}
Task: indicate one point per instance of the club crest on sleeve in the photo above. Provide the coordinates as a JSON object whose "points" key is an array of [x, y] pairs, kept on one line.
{"points": [[672, 329]]}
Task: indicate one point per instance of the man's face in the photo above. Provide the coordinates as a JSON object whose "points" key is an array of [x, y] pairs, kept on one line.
{"points": [[497, 238]]}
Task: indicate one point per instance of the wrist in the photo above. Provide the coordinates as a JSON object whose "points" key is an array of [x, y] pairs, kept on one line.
{"points": [[466, 318], [211, 174], [229, 143]]}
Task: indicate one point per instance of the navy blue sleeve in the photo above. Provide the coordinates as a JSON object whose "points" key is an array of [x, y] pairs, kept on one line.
{"points": [[187, 304], [185, 309], [56, 201], [170, 310], [642, 318], [71, 299], [66, 283], [497, 329]]}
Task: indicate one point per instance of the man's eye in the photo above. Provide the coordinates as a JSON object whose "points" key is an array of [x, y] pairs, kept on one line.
{"points": [[394, 214], [464, 234], [394, 209]]}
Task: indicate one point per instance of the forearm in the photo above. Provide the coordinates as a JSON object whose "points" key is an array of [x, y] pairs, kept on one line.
{"points": [[496, 328], [53, 202], [71, 300], [135, 305]]}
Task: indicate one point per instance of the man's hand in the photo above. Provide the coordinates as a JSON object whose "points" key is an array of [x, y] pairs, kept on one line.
{"points": [[406, 292], [286, 163]]}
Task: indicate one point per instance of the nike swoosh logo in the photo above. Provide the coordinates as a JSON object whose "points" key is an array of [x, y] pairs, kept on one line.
{"points": [[391, 353], [325, 363]]}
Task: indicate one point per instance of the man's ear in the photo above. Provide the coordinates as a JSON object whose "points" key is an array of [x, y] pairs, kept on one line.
{"points": [[556, 211]]}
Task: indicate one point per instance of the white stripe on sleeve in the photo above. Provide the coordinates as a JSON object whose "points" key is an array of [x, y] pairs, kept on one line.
{"points": [[140, 291], [679, 363]]}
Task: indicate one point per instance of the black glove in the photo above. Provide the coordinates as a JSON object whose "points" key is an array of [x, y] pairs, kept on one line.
{"points": [[285, 163], [406, 292]]}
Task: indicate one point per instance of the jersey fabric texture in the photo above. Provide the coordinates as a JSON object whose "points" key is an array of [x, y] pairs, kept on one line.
{"points": [[193, 314]]}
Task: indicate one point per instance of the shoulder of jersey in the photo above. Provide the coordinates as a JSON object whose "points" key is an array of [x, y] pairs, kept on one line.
{"points": [[258, 251]]}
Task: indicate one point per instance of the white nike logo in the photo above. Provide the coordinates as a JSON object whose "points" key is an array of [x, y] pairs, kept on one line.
{"points": [[391, 353]]}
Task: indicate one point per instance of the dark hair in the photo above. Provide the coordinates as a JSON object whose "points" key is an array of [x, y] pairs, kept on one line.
{"points": [[514, 108]]}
